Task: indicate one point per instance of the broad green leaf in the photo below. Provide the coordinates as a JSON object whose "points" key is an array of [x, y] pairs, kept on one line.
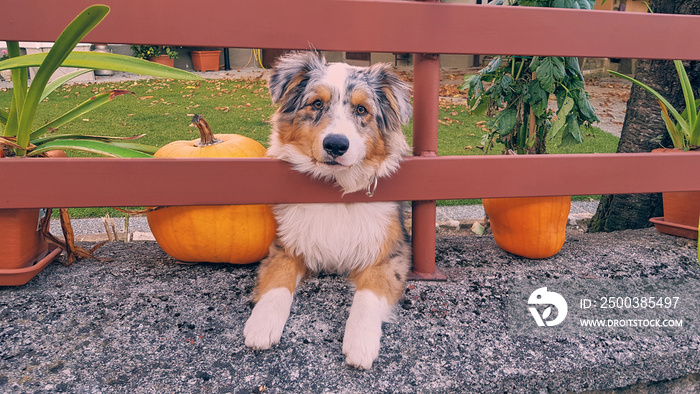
{"points": [[506, 81], [79, 111], [95, 147], [506, 120], [69, 38], [585, 108], [576, 4], [105, 61], [481, 106], [469, 81], [493, 65], [549, 72], [60, 81], [573, 134], [562, 114], [573, 67], [537, 98]]}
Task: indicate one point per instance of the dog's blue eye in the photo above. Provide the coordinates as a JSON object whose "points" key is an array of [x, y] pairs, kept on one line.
{"points": [[361, 110], [317, 104]]}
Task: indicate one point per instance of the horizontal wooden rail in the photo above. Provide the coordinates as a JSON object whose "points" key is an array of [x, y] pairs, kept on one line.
{"points": [[374, 26], [135, 182]]}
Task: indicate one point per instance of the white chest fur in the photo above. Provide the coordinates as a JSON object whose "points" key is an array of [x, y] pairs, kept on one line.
{"points": [[335, 237]]}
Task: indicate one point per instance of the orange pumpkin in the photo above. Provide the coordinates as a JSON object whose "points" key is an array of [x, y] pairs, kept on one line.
{"points": [[237, 234], [532, 227]]}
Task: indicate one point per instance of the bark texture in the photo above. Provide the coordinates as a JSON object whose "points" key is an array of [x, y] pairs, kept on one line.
{"points": [[642, 127]]}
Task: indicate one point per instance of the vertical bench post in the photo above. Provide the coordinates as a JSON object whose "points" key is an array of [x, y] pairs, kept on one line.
{"points": [[426, 95]]}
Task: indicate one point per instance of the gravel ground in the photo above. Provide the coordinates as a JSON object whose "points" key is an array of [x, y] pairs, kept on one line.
{"points": [[143, 323]]}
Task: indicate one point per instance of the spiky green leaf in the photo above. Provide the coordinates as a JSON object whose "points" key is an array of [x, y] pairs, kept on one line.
{"points": [[60, 81], [105, 61], [94, 147], [80, 110], [656, 95], [69, 38]]}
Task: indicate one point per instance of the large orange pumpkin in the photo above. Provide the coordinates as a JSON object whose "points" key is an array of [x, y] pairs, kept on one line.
{"points": [[532, 227], [237, 234]]}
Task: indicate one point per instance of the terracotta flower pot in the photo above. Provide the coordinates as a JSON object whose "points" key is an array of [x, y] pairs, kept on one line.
{"points": [[681, 209], [25, 253], [20, 240], [532, 227], [163, 59], [205, 60]]}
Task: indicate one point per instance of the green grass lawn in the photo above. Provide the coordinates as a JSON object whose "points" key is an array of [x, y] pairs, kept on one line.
{"points": [[162, 109]]}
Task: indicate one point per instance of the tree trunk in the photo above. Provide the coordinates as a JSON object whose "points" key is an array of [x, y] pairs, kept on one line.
{"points": [[642, 125]]}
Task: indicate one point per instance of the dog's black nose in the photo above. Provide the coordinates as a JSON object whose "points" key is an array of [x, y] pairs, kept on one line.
{"points": [[336, 144]]}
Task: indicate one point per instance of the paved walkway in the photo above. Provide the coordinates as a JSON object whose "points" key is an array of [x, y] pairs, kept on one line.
{"points": [[459, 216]]}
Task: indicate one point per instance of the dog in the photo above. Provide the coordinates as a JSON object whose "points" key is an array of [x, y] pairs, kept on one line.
{"points": [[342, 124]]}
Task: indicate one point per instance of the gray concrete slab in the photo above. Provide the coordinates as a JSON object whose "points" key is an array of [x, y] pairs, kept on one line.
{"points": [[143, 323]]}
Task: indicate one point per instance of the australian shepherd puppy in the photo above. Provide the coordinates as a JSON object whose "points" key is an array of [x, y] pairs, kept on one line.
{"points": [[342, 124]]}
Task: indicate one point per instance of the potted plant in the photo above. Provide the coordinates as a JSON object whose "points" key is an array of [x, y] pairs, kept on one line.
{"points": [[518, 94], [155, 53], [207, 60], [20, 141], [681, 209]]}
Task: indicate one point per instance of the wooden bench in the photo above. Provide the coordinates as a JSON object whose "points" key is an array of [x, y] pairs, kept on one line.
{"points": [[425, 29]]}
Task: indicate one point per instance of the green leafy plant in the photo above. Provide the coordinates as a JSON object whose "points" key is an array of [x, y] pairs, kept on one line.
{"points": [[150, 51], [519, 91], [19, 134], [684, 127]]}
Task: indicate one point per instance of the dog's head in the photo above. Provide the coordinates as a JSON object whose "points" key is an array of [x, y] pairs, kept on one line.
{"points": [[338, 122]]}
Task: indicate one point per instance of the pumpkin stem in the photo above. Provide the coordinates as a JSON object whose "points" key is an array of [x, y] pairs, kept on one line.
{"points": [[206, 136]]}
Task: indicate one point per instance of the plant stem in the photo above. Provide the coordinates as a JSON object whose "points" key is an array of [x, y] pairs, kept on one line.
{"points": [[522, 63], [206, 137]]}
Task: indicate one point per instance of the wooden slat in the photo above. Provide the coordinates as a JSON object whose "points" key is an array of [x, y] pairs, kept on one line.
{"points": [[377, 26], [129, 182]]}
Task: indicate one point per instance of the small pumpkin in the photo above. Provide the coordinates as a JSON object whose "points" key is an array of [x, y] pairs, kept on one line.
{"points": [[532, 227], [237, 234]]}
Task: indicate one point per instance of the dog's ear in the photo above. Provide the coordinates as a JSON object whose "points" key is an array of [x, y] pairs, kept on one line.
{"points": [[394, 94], [289, 77]]}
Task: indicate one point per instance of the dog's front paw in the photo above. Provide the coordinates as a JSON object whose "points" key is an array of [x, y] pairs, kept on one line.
{"points": [[363, 329], [360, 348], [265, 325]]}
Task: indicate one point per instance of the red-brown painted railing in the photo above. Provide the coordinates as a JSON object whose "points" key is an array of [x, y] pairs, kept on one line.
{"points": [[377, 26], [91, 182]]}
